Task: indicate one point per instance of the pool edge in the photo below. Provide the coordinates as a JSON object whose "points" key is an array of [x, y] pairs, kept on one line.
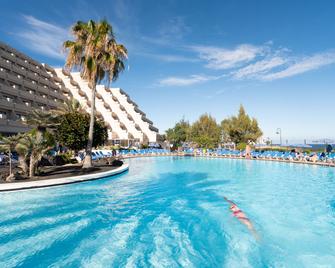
{"points": [[28, 185]]}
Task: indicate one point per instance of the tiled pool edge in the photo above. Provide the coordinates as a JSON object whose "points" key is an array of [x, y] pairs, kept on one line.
{"points": [[236, 157], [19, 186]]}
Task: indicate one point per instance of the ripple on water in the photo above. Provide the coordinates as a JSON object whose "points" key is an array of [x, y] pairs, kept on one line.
{"points": [[170, 212]]}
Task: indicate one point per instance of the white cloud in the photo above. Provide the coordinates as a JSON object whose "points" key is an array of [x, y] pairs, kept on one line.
{"points": [[186, 81], [222, 58], [258, 68], [261, 62], [43, 37], [303, 65]]}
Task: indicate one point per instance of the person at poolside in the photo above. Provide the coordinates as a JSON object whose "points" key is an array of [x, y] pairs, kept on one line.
{"points": [[248, 152], [242, 217], [315, 158]]}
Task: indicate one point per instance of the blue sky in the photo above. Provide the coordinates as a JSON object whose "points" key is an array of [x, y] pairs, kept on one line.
{"points": [[277, 58]]}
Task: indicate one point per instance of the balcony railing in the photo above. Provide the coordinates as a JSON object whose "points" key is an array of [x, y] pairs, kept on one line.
{"points": [[5, 64], [6, 104], [13, 78], [26, 95], [19, 70], [21, 107], [9, 90], [153, 128], [107, 106], [29, 85]]}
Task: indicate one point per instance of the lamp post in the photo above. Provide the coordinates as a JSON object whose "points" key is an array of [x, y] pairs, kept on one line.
{"points": [[279, 132]]}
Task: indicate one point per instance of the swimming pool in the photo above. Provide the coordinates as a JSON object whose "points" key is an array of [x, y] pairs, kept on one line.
{"points": [[170, 212]]}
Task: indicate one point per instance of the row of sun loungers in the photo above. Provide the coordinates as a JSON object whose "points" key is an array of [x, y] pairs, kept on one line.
{"points": [[320, 158], [99, 154], [267, 155]]}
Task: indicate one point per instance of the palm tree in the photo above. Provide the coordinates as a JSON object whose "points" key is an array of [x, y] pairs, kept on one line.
{"points": [[69, 107], [42, 120], [34, 145], [99, 57], [9, 144]]}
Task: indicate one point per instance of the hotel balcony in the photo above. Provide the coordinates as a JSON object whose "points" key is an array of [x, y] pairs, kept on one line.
{"points": [[9, 90], [19, 70], [30, 85], [22, 108], [6, 104], [4, 64]]}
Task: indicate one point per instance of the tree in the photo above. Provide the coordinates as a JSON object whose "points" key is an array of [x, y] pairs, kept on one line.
{"points": [[179, 133], [99, 57], [34, 145], [206, 132], [42, 120], [9, 144], [72, 131], [69, 106], [241, 128]]}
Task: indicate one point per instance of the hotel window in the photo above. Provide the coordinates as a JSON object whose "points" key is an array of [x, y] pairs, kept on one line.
{"points": [[9, 99], [20, 117], [3, 115]]}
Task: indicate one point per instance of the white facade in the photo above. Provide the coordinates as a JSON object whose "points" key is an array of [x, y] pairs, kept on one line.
{"points": [[125, 121]]}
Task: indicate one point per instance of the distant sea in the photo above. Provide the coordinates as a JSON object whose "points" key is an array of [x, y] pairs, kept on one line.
{"points": [[318, 146]]}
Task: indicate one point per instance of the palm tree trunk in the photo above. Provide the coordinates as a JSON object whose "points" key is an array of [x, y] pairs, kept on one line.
{"points": [[10, 162], [23, 164], [32, 166], [88, 158]]}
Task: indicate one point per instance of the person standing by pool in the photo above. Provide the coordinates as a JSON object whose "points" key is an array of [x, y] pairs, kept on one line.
{"points": [[242, 217]]}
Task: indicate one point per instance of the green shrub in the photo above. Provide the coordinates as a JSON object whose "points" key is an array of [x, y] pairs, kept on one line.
{"points": [[62, 159], [241, 146], [72, 132]]}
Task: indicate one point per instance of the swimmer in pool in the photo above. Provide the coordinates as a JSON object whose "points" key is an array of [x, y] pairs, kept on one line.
{"points": [[240, 215]]}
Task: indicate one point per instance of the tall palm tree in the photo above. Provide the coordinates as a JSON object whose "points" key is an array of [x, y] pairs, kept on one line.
{"points": [[9, 144], [99, 57]]}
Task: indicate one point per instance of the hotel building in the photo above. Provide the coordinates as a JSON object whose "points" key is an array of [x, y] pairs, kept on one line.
{"points": [[26, 84]]}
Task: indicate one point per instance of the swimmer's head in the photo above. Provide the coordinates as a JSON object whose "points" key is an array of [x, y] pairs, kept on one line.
{"points": [[233, 207]]}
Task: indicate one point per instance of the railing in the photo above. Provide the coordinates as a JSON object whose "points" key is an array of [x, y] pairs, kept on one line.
{"points": [[9, 90]]}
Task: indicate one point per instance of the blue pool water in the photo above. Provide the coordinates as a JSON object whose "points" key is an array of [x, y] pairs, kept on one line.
{"points": [[170, 212]]}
